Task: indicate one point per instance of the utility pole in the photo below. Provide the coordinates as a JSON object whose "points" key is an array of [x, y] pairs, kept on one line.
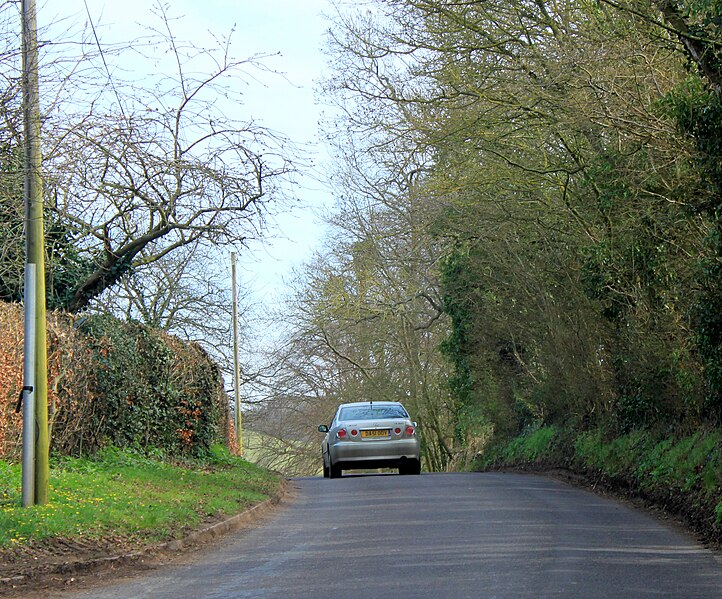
{"points": [[28, 494], [35, 386], [236, 368]]}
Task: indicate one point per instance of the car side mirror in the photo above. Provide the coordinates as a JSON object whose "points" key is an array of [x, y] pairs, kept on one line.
{"points": [[322, 428], [415, 424]]}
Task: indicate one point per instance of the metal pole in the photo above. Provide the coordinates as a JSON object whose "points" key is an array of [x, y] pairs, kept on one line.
{"points": [[236, 368], [28, 390], [35, 244]]}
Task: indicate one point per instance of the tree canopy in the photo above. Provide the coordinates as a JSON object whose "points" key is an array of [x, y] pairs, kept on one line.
{"points": [[137, 167], [528, 202]]}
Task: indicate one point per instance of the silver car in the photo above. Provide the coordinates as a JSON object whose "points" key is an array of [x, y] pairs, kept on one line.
{"points": [[370, 434]]}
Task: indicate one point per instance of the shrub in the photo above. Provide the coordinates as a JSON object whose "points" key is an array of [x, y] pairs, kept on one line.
{"points": [[115, 383]]}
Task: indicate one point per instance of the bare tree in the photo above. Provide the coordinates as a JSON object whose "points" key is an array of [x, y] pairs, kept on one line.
{"points": [[185, 293], [148, 169]]}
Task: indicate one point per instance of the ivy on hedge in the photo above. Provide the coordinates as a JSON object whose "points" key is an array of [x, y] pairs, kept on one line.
{"points": [[149, 390], [115, 383]]}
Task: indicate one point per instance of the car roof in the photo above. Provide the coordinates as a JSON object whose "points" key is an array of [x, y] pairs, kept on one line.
{"points": [[375, 403]]}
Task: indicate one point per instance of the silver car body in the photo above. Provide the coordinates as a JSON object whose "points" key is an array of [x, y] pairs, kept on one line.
{"points": [[366, 435]]}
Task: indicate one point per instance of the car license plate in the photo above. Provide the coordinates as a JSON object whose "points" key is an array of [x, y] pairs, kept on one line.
{"points": [[379, 432]]}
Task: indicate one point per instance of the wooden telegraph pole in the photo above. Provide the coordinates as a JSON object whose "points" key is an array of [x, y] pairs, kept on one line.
{"points": [[236, 368], [35, 386]]}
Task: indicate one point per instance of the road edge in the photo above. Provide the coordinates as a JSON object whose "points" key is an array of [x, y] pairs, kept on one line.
{"points": [[70, 569]]}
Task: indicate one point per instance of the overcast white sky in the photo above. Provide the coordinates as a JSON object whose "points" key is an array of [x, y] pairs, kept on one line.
{"points": [[293, 28]]}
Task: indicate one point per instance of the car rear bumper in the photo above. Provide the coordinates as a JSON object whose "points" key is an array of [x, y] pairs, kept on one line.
{"points": [[374, 454]]}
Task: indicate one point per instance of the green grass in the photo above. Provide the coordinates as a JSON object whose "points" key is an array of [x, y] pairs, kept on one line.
{"points": [[615, 457], [131, 495], [538, 444]]}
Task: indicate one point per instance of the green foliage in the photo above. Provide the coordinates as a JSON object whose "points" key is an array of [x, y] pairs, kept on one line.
{"points": [[530, 446], [639, 272], [707, 320], [65, 264], [219, 455], [686, 464], [131, 494], [479, 401], [577, 182], [457, 346], [643, 458], [8, 480], [148, 390], [636, 260], [614, 456], [689, 463], [697, 109], [703, 19]]}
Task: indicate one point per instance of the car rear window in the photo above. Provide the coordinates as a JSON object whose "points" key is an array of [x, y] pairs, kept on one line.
{"points": [[372, 412]]}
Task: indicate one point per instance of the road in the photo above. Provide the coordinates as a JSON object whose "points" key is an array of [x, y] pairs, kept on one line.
{"points": [[480, 535]]}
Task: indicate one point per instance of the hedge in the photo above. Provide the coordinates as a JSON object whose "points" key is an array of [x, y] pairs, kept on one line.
{"points": [[114, 383]]}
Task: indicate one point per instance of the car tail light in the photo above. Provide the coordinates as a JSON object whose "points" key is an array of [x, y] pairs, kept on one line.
{"points": [[341, 433], [410, 430], [397, 430], [354, 432]]}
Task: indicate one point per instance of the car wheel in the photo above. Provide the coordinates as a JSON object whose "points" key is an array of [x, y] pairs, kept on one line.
{"points": [[414, 467], [325, 471], [334, 471]]}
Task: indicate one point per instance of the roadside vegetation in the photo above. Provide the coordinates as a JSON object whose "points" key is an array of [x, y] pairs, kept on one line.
{"points": [[132, 497], [526, 246], [288, 456], [157, 176], [115, 383], [527, 225], [155, 182]]}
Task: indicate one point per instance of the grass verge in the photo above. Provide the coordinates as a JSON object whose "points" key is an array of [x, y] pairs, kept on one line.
{"points": [[129, 495]]}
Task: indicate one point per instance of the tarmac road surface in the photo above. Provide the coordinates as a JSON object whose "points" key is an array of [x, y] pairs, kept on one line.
{"points": [[480, 535]]}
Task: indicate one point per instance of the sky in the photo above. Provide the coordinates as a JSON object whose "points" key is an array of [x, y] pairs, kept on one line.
{"points": [[292, 28]]}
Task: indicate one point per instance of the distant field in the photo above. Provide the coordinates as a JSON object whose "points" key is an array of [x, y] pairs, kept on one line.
{"points": [[290, 458]]}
